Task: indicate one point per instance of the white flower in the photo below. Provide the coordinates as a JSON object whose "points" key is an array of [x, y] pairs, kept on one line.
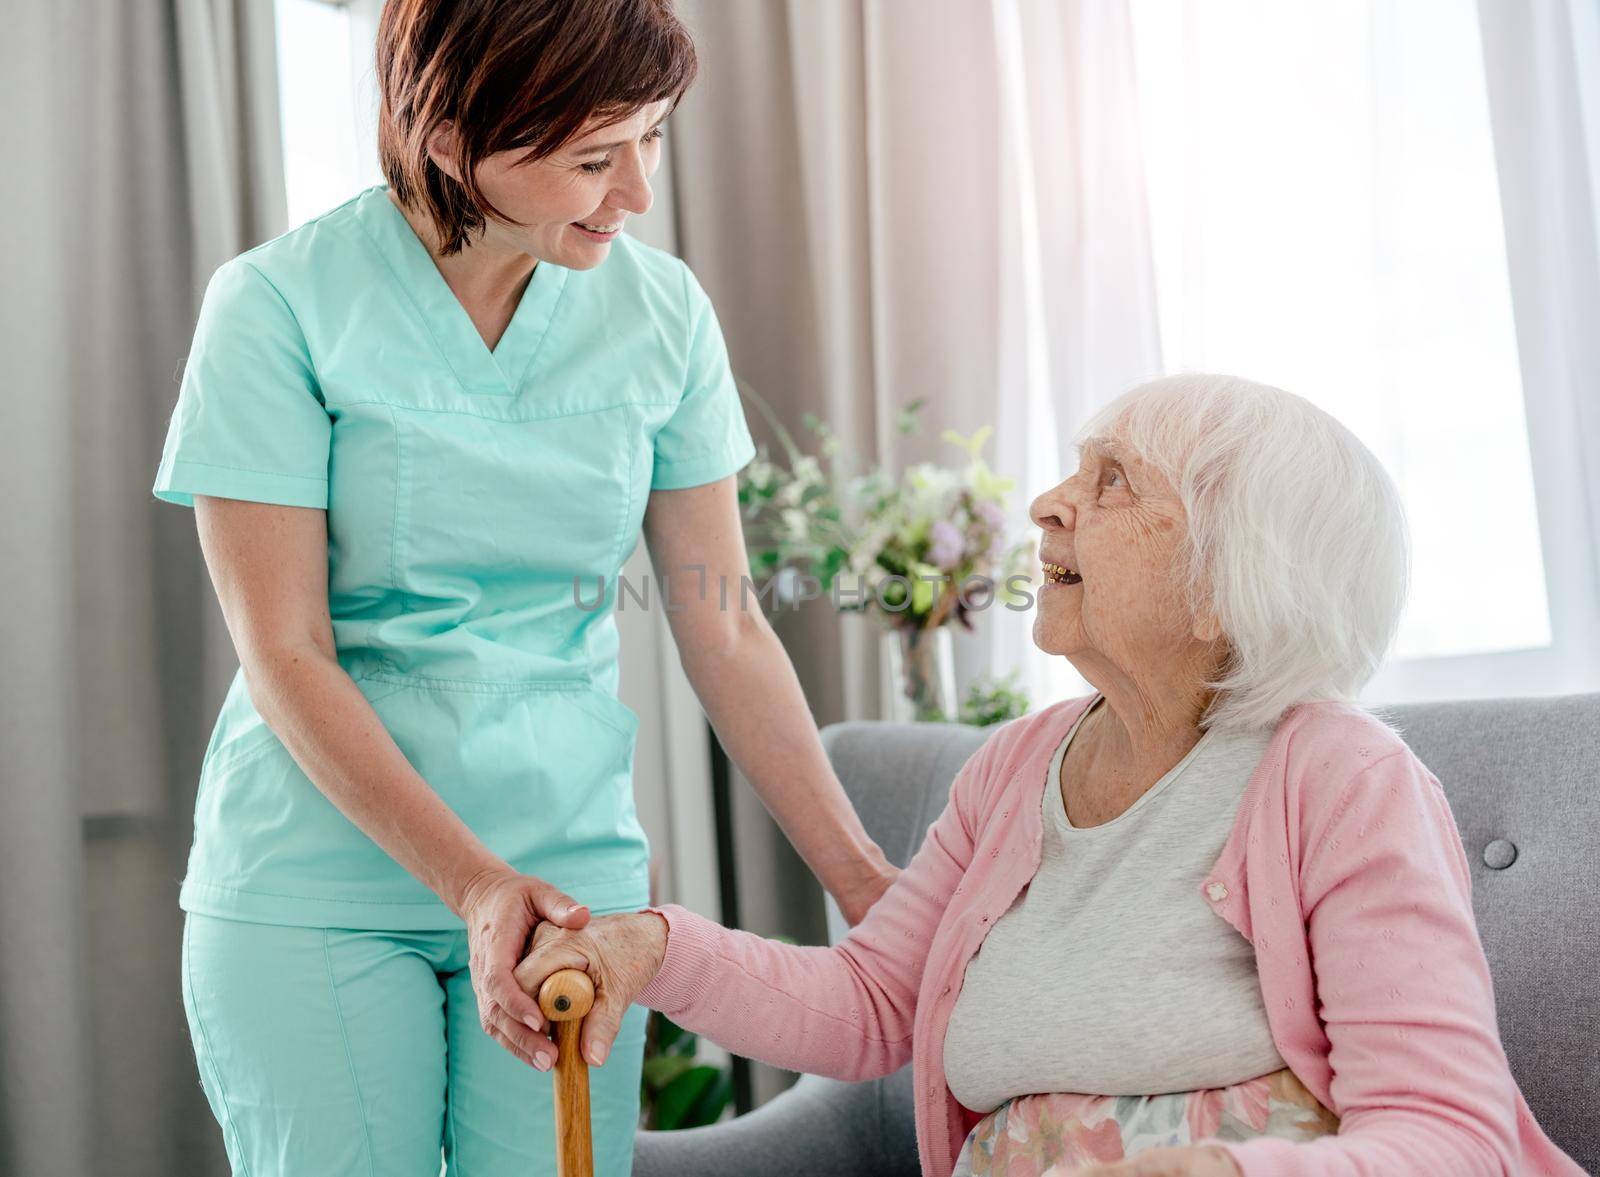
{"points": [[795, 523], [758, 472], [928, 492]]}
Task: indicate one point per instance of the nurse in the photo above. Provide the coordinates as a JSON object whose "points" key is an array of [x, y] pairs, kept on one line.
{"points": [[421, 434]]}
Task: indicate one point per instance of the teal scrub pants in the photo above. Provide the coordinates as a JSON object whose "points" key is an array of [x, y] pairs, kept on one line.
{"points": [[337, 1052]]}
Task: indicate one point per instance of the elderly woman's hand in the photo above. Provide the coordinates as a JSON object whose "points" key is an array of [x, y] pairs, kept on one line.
{"points": [[1188, 1161], [621, 954]]}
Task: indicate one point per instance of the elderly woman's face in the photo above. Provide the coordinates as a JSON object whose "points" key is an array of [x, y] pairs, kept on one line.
{"points": [[1119, 526]]}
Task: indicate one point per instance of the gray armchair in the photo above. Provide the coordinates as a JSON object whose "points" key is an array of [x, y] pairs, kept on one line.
{"points": [[1523, 778]]}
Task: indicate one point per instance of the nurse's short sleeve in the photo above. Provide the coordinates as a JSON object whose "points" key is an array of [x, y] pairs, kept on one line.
{"points": [[250, 421], [706, 438]]}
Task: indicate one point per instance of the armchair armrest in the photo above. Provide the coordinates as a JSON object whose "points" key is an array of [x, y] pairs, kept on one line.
{"points": [[818, 1127]]}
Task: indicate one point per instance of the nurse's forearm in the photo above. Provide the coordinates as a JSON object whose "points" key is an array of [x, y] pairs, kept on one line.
{"points": [[333, 733], [749, 690]]}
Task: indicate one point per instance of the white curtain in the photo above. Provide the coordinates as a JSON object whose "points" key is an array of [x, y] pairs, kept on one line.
{"points": [[932, 199], [1386, 208], [1077, 321], [149, 150], [44, 1058], [1542, 68]]}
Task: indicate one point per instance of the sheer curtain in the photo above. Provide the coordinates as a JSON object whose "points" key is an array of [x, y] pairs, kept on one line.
{"points": [[1382, 207], [1016, 209], [1542, 70], [929, 199], [1077, 321]]}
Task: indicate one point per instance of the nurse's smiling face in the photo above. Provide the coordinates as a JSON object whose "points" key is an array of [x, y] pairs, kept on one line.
{"points": [[571, 204]]}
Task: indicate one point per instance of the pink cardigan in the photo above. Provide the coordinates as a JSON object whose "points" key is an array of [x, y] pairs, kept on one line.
{"points": [[1344, 852]]}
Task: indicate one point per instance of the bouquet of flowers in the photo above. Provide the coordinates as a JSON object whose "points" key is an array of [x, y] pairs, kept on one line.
{"points": [[920, 550]]}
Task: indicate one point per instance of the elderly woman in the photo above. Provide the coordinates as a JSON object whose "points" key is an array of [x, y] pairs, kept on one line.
{"points": [[1213, 919]]}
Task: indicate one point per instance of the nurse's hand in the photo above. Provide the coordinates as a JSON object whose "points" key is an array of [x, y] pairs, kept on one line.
{"points": [[502, 910], [621, 953], [858, 901]]}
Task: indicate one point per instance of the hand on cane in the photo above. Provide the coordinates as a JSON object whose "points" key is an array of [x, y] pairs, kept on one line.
{"points": [[501, 910], [621, 954]]}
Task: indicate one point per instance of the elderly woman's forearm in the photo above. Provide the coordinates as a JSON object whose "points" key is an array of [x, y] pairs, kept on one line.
{"points": [[845, 1012], [799, 1007], [749, 690], [324, 721]]}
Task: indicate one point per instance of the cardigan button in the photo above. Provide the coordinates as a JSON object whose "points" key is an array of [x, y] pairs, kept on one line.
{"points": [[1217, 892], [1499, 854]]}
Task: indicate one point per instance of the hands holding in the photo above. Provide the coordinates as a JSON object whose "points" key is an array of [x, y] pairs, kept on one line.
{"points": [[501, 908], [621, 953]]}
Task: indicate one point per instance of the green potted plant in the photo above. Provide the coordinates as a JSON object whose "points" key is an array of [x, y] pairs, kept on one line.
{"points": [[676, 1089]]}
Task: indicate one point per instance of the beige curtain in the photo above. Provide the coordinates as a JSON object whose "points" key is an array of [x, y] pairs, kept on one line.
{"points": [[152, 156], [894, 199]]}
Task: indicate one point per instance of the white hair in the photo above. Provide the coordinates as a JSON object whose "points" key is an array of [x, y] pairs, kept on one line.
{"points": [[1296, 542]]}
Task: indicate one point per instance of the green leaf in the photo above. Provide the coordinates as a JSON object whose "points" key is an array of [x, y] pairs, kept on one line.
{"points": [[923, 590], [908, 416], [667, 1031], [660, 1071], [677, 1097], [833, 565], [713, 1101], [986, 484]]}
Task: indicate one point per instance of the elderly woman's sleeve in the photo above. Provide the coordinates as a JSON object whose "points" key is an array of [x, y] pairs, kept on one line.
{"points": [[846, 1011], [1420, 1080]]}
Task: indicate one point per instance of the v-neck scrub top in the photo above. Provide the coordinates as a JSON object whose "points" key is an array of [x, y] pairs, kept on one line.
{"points": [[480, 505]]}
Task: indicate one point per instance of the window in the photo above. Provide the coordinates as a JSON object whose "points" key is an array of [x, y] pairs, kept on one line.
{"points": [[1325, 216], [327, 102]]}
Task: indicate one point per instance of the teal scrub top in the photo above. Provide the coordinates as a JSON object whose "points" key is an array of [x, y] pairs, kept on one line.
{"points": [[478, 504]]}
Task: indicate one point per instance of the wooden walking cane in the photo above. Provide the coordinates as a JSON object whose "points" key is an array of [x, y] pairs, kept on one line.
{"points": [[565, 997]]}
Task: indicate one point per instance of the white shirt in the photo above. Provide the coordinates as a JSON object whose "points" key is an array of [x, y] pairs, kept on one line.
{"points": [[1110, 975]]}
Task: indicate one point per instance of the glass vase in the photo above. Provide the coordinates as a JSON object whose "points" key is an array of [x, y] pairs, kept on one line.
{"points": [[922, 670]]}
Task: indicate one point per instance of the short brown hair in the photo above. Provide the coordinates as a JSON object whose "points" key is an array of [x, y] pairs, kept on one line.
{"points": [[511, 74]]}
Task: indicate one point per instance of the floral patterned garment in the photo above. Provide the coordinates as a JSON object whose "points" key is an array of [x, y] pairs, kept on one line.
{"points": [[1049, 1135]]}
